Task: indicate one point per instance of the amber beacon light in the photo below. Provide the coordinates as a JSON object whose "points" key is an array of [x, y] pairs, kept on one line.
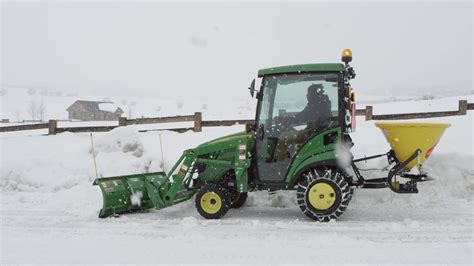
{"points": [[346, 55]]}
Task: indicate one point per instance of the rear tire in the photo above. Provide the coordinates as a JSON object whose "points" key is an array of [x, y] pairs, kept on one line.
{"points": [[323, 194], [212, 201]]}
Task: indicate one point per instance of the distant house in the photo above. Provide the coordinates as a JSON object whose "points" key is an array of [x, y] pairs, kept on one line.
{"points": [[94, 111]]}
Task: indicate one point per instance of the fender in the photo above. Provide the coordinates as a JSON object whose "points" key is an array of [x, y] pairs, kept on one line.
{"points": [[325, 159], [317, 149], [331, 163]]}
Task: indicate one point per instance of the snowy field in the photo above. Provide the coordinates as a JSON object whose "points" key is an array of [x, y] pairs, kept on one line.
{"points": [[49, 207]]}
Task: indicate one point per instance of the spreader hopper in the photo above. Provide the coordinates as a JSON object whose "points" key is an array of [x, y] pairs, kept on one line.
{"points": [[406, 138]]}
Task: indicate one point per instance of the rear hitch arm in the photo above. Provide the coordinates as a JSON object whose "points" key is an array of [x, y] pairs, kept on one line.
{"points": [[360, 179]]}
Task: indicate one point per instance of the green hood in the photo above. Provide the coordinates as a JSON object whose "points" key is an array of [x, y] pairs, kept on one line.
{"points": [[233, 138]]}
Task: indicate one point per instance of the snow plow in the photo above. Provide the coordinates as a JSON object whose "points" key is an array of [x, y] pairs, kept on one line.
{"points": [[305, 113]]}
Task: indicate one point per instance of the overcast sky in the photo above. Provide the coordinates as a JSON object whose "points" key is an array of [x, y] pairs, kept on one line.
{"points": [[215, 49]]}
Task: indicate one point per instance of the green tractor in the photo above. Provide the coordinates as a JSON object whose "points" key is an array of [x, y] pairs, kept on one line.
{"points": [[304, 116]]}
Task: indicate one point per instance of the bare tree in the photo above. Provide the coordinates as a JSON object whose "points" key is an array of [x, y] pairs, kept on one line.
{"points": [[41, 110], [130, 112], [32, 109]]}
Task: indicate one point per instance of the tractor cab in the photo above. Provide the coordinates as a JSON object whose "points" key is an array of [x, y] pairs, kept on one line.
{"points": [[298, 106]]}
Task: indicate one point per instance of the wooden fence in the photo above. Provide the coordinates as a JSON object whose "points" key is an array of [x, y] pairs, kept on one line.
{"points": [[368, 112], [53, 128], [24, 127]]}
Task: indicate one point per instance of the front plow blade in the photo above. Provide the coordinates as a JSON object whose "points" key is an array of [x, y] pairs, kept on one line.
{"points": [[122, 194]]}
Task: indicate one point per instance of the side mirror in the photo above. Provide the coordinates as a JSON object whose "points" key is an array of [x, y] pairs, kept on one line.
{"points": [[252, 88]]}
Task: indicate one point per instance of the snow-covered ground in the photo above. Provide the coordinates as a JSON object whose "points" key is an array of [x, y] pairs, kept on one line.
{"points": [[49, 207]]}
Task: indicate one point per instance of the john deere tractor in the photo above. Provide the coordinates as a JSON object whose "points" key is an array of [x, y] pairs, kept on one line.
{"points": [[304, 116]]}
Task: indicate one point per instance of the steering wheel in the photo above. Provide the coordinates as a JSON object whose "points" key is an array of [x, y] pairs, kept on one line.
{"points": [[281, 124]]}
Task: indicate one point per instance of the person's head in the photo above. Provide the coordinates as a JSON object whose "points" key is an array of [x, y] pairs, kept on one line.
{"points": [[315, 93]]}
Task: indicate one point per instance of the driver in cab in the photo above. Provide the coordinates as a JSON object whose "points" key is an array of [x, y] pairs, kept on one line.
{"points": [[314, 115]]}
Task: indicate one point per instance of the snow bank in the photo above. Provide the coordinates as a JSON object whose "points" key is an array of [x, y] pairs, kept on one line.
{"points": [[120, 140], [44, 163]]}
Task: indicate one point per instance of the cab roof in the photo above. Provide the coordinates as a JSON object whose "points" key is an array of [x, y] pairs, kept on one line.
{"points": [[301, 68]]}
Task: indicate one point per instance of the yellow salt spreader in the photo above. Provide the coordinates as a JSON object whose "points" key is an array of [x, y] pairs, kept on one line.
{"points": [[412, 144]]}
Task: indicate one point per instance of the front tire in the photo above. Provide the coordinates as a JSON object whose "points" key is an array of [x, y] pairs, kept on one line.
{"points": [[239, 200], [323, 194], [212, 202], [236, 198]]}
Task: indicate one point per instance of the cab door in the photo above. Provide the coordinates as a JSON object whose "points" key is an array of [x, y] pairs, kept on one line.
{"points": [[280, 128]]}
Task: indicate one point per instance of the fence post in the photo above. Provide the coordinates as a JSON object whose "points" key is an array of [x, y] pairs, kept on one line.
{"points": [[197, 122], [122, 121], [52, 126], [368, 112], [462, 107]]}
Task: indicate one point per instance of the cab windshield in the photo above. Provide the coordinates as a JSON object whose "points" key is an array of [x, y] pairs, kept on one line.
{"points": [[300, 101]]}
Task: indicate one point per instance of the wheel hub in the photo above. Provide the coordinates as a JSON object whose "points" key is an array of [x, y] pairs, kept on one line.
{"points": [[322, 196], [211, 202]]}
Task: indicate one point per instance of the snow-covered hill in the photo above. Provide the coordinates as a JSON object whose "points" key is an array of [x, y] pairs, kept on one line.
{"points": [[16, 104], [49, 207]]}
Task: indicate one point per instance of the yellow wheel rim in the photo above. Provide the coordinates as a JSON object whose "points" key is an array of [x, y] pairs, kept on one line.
{"points": [[211, 202], [322, 196]]}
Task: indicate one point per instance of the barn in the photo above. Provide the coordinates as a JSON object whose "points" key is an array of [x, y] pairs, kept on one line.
{"points": [[94, 111]]}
